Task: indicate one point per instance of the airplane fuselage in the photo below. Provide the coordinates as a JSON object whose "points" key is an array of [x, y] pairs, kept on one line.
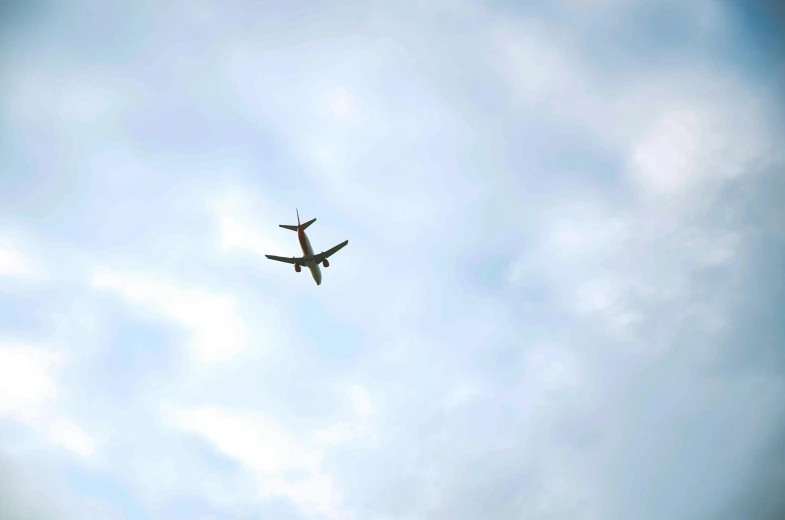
{"points": [[312, 266]]}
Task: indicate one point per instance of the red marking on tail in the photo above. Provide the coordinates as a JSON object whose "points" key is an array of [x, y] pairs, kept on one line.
{"points": [[300, 232]]}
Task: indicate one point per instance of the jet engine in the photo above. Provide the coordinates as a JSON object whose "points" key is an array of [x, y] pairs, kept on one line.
{"points": [[326, 263], [297, 267]]}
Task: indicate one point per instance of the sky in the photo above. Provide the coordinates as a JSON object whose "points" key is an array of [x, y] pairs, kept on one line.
{"points": [[561, 297]]}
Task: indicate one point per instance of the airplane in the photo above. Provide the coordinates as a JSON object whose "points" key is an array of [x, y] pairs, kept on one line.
{"points": [[309, 260]]}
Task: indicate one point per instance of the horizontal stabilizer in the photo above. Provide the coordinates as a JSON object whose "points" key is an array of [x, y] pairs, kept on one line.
{"points": [[302, 226]]}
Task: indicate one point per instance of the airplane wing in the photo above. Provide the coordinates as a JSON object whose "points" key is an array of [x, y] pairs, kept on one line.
{"points": [[316, 258], [326, 254], [292, 260]]}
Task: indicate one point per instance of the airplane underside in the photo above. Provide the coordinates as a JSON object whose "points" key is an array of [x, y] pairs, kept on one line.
{"points": [[309, 259]]}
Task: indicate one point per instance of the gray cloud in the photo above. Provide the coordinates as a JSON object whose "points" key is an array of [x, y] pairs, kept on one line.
{"points": [[19, 502]]}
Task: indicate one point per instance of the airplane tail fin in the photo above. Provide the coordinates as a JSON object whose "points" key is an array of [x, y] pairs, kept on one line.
{"points": [[300, 226]]}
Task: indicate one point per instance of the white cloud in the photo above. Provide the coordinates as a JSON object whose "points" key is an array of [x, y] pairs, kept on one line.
{"points": [[30, 393], [550, 368], [359, 427], [697, 143], [68, 434], [584, 232], [463, 394], [249, 221], [684, 134], [13, 262], [283, 466], [340, 103], [236, 234], [350, 158], [361, 401], [42, 99], [27, 380], [667, 159], [534, 66], [334, 434], [259, 443], [219, 332]]}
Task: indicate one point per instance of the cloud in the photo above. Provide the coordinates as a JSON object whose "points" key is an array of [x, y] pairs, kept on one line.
{"points": [[27, 380], [14, 263], [71, 436], [283, 466], [691, 146], [219, 332], [20, 495], [558, 300], [242, 218]]}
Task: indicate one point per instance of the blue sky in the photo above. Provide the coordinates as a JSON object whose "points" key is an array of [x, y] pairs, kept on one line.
{"points": [[560, 298]]}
